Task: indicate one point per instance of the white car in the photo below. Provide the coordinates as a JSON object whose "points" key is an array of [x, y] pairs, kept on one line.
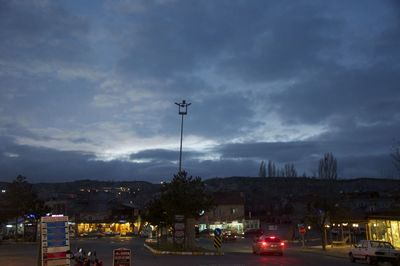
{"points": [[373, 251]]}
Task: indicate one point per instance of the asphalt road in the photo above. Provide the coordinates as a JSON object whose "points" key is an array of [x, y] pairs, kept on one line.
{"points": [[237, 253]]}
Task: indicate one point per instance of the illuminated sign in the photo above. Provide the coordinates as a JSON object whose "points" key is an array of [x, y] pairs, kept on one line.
{"points": [[55, 241]]}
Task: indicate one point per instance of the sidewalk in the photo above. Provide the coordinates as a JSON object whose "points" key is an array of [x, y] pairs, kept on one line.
{"points": [[335, 251]]}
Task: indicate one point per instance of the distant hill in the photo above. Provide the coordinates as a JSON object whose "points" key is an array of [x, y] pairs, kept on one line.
{"points": [[255, 188]]}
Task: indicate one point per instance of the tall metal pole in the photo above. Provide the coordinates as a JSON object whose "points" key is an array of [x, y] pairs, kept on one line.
{"points": [[180, 150], [182, 111]]}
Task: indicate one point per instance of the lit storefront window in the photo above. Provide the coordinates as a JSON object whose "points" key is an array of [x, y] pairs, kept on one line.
{"points": [[106, 228], [385, 230], [234, 227]]}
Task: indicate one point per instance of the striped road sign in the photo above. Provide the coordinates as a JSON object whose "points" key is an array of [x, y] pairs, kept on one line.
{"points": [[217, 241]]}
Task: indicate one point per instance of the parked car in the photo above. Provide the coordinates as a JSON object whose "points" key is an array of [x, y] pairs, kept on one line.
{"points": [[206, 233], [268, 244], [373, 251], [253, 232], [228, 236]]}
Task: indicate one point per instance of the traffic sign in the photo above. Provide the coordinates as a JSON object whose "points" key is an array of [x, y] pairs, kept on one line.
{"points": [[179, 229], [217, 231], [217, 241], [179, 226], [302, 229], [122, 257], [54, 240]]}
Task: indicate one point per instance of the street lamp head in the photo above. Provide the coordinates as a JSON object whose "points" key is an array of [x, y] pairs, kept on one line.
{"points": [[183, 107]]}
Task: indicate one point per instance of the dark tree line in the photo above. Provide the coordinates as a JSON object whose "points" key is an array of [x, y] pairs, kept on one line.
{"points": [[19, 200], [271, 170], [327, 167]]}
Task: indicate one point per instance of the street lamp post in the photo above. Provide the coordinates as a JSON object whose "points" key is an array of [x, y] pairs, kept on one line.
{"points": [[182, 107]]}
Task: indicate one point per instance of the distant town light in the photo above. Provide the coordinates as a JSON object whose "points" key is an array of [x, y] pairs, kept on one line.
{"points": [[3, 191]]}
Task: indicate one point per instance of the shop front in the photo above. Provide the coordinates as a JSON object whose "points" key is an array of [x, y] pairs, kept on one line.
{"points": [[235, 227], [121, 228], [385, 229]]}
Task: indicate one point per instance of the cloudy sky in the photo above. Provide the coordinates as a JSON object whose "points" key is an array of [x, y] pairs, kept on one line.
{"points": [[87, 88]]}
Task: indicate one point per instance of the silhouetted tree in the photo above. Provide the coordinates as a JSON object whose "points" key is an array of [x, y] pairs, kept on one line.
{"points": [[262, 172], [290, 170], [184, 195], [318, 215], [327, 168], [271, 169], [20, 199], [281, 172]]}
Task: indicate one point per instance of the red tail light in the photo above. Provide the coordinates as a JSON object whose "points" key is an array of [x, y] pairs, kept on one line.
{"points": [[264, 243], [282, 244]]}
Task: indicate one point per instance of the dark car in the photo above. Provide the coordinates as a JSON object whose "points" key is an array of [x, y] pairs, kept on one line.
{"points": [[254, 232], [229, 236], [268, 245], [206, 233]]}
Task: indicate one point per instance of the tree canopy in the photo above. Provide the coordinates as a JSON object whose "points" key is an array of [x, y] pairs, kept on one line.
{"points": [[20, 199], [327, 168], [184, 195]]}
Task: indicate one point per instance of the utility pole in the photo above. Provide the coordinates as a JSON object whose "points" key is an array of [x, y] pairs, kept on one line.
{"points": [[182, 107]]}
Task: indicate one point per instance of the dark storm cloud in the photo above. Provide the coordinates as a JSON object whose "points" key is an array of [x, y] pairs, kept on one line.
{"points": [[352, 155], [187, 33], [49, 165], [221, 115], [309, 77], [341, 92], [40, 31], [284, 152], [162, 155], [222, 168], [254, 40], [277, 151], [289, 44]]}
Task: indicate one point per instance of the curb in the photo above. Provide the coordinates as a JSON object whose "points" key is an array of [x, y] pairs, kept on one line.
{"points": [[325, 253], [190, 253]]}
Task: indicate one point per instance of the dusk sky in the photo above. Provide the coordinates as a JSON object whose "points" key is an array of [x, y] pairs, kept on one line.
{"points": [[87, 88]]}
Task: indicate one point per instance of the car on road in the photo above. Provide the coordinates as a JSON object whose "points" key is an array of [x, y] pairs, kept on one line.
{"points": [[253, 232], [228, 236], [268, 245], [206, 233], [373, 251]]}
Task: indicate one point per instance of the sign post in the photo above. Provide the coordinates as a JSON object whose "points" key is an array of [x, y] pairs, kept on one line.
{"points": [[122, 257], [217, 239], [179, 229], [302, 231], [54, 241]]}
